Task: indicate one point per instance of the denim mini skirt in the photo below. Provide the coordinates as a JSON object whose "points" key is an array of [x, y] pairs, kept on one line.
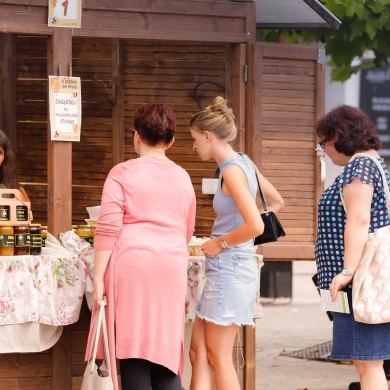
{"points": [[230, 290], [357, 341]]}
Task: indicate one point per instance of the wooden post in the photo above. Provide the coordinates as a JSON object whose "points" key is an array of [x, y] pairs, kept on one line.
{"points": [[249, 332], [250, 358], [235, 87], [118, 96], [59, 191], [59, 162], [8, 96]]}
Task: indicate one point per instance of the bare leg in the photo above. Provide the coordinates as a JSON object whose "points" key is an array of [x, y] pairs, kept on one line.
{"points": [[219, 343], [201, 371], [372, 375]]}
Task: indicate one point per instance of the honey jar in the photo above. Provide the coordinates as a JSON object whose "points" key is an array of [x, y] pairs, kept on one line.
{"points": [[6, 240], [22, 240], [35, 239], [43, 235], [85, 232]]}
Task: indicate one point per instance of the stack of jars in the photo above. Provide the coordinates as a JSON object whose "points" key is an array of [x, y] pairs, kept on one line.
{"points": [[17, 240], [86, 232]]}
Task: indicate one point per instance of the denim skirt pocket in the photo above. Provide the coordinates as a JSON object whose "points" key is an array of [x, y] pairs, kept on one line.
{"points": [[244, 268]]}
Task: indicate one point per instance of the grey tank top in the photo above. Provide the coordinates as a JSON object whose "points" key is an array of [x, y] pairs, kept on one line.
{"points": [[228, 215]]}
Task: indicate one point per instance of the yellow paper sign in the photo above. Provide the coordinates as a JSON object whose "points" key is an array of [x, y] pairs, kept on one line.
{"points": [[65, 108], [64, 13]]}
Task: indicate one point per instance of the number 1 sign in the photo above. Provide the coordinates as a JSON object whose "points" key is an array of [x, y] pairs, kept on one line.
{"points": [[64, 13]]}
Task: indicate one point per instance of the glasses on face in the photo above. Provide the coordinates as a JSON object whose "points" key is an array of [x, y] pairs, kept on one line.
{"points": [[322, 144]]}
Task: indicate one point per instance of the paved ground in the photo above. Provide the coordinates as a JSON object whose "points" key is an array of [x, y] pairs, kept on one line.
{"points": [[292, 324]]}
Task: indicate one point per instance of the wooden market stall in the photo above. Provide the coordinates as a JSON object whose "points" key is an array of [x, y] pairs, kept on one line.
{"points": [[128, 53]]}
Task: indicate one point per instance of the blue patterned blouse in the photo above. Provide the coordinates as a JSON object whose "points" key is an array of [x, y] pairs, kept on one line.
{"points": [[329, 250]]}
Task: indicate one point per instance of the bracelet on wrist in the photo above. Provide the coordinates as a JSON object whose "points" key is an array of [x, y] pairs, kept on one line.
{"points": [[346, 272], [224, 243]]}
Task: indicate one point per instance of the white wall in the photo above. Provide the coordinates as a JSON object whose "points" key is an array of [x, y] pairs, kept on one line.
{"points": [[337, 93]]}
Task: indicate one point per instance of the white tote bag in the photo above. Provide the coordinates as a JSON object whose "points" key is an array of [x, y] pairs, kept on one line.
{"points": [[97, 375], [371, 282]]}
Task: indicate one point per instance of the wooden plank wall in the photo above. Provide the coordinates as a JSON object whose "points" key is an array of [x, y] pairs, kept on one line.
{"points": [[168, 73], [31, 116], [93, 155], [288, 141], [153, 72]]}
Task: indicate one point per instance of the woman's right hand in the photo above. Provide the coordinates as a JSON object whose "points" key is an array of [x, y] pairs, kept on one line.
{"points": [[99, 291]]}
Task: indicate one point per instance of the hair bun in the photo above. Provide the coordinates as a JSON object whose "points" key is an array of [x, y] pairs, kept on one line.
{"points": [[220, 104]]}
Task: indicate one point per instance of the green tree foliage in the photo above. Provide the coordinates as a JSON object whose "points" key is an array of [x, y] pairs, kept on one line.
{"points": [[365, 26]]}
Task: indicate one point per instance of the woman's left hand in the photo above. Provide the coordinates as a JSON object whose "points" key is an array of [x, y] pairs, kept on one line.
{"points": [[212, 247], [338, 283]]}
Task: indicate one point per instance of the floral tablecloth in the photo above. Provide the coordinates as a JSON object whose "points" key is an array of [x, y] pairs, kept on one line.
{"points": [[38, 296], [47, 288]]}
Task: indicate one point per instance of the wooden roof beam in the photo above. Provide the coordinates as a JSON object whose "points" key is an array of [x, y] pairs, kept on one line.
{"points": [[184, 20]]}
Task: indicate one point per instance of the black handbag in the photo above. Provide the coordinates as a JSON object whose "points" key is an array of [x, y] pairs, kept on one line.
{"points": [[273, 229]]}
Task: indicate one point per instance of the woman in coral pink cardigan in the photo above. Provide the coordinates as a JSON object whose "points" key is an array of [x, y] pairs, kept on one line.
{"points": [[147, 219]]}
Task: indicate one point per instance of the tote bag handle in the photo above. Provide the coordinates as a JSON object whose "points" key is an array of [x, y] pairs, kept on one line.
{"points": [[384, 180], [100, 324]]}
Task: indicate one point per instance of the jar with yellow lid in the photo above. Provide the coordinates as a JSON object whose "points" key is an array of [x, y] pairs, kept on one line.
{"points": [[7, 240], [85, 232], [43, 235]]}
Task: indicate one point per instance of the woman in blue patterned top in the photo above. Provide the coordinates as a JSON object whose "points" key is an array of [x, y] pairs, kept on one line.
{"points": [[345, 131]]}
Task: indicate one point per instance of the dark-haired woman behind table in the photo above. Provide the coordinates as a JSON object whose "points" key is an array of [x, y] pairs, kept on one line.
{"points": [[6, 156]]}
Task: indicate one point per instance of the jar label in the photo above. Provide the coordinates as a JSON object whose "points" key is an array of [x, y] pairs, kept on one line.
{"points": [[7, 240], [21, 240], [88, 239], [21, 213], [4, 213], [35, 240]]}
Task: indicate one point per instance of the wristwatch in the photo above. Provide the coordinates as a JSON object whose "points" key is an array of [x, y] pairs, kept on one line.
{"points": [[224, 243], [346, 272]]}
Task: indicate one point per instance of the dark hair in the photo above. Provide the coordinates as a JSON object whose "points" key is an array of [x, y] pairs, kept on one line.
{"points": [[353, 127], [155, 123], [8, 156]]}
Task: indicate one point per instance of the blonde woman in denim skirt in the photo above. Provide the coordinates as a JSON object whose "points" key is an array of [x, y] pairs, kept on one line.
{"points": [[229, 294]]}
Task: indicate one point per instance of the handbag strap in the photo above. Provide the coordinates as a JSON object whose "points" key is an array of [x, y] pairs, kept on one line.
{"points": [[100, 323], [384, 180], [261, 192]]}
